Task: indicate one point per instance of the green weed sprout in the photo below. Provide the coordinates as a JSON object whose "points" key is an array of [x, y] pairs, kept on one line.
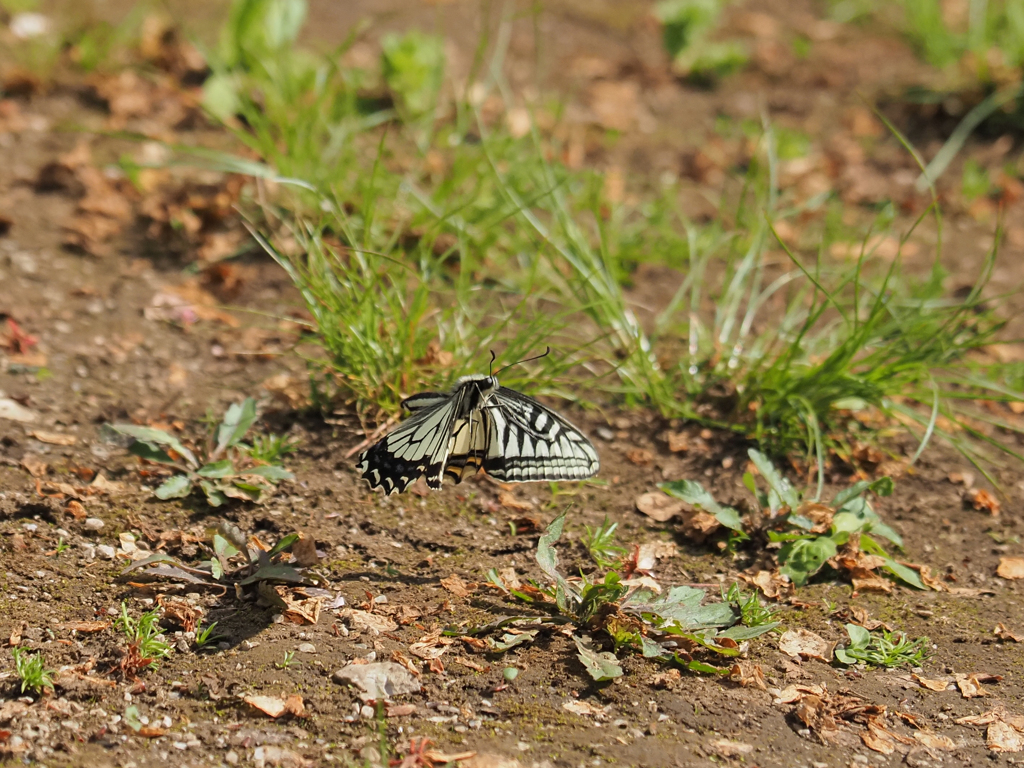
{"points": [[221, 469], [31, 671], [883, 649]]}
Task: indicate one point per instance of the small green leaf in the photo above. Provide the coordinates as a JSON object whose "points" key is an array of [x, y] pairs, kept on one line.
{"points": [[177, 487], [271, 472], [150, 452], [283, 544], [859, 637], [774, 478], [157, 436], [739, 633], [237, 420], [222, 468], [694, 493], [801, 559], [222, 547], [276, 572], [699, 666], [511, 640], [216, 569], [214, 496], [600, 664], [158, 557]]}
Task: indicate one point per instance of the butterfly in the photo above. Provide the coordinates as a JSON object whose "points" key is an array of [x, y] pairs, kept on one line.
{"points": [[478, 424]]}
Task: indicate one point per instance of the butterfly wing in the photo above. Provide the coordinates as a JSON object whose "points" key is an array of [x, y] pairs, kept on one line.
{"points": [[527, 441], [418, 447]]}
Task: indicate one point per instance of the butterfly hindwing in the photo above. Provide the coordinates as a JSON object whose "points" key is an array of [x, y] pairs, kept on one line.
{"points": [[533, 443]]}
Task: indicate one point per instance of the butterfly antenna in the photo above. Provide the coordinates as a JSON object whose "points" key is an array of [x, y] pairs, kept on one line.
{"points": [[547, 351], [490, 366]]}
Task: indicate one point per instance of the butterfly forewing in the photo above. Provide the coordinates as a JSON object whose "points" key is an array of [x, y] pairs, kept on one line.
{"points": [[418, 447], [513, 437]]}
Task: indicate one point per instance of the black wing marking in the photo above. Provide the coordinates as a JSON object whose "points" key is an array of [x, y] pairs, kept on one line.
{"points": [[418, 447], [530, 442]]}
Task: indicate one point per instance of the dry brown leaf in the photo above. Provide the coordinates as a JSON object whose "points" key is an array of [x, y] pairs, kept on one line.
{"points": [[364, 620], [508, 500], [431, 646], [586, 709], [983, 501], [935, 740], [970, 685], [728, 748], [749, 675], [54, 438], [1011, 568], [932, 684], [86, 627], [1004, 633], [659, 506], [806, 644], [304, 552], [878, 740], [772, 584], [639, 456], [1002, 737], [678, 442], [34, 466], [873, 584], [466, 662], [457, 586], [272, 706]]}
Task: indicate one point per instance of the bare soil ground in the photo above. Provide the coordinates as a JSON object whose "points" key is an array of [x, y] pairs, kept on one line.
{"points": [[116, 351]]}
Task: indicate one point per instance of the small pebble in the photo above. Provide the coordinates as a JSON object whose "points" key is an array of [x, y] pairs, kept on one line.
{"points": [[306, 648], [366, 712], [93, 524], [106, 551], [231, 758], [605, 434]]}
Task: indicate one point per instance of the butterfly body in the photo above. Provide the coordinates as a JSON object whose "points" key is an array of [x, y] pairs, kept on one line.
{"points": [[478, 424]]}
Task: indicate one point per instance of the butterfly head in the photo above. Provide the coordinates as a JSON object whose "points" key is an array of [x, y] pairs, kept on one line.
{"points": [[478, 389]]}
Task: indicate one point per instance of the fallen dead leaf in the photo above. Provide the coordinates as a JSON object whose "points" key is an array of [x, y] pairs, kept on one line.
{"points": [[365, 620], [640, 456], [1002, 737], [970, 685], [878, 740], [275, 707], [431, 646], [935, 740], [304, 552], [457, 586], [586, 709], [932, 684], [772, 584], [983, 501], [1010, 568], [806, 644], [14, 411], [1003, 633], [659, 506], [748, 675], [87, 627], [34, 465], [728, 748]]}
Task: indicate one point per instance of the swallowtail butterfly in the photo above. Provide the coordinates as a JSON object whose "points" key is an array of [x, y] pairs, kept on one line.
{"points": [[478, 424]]}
